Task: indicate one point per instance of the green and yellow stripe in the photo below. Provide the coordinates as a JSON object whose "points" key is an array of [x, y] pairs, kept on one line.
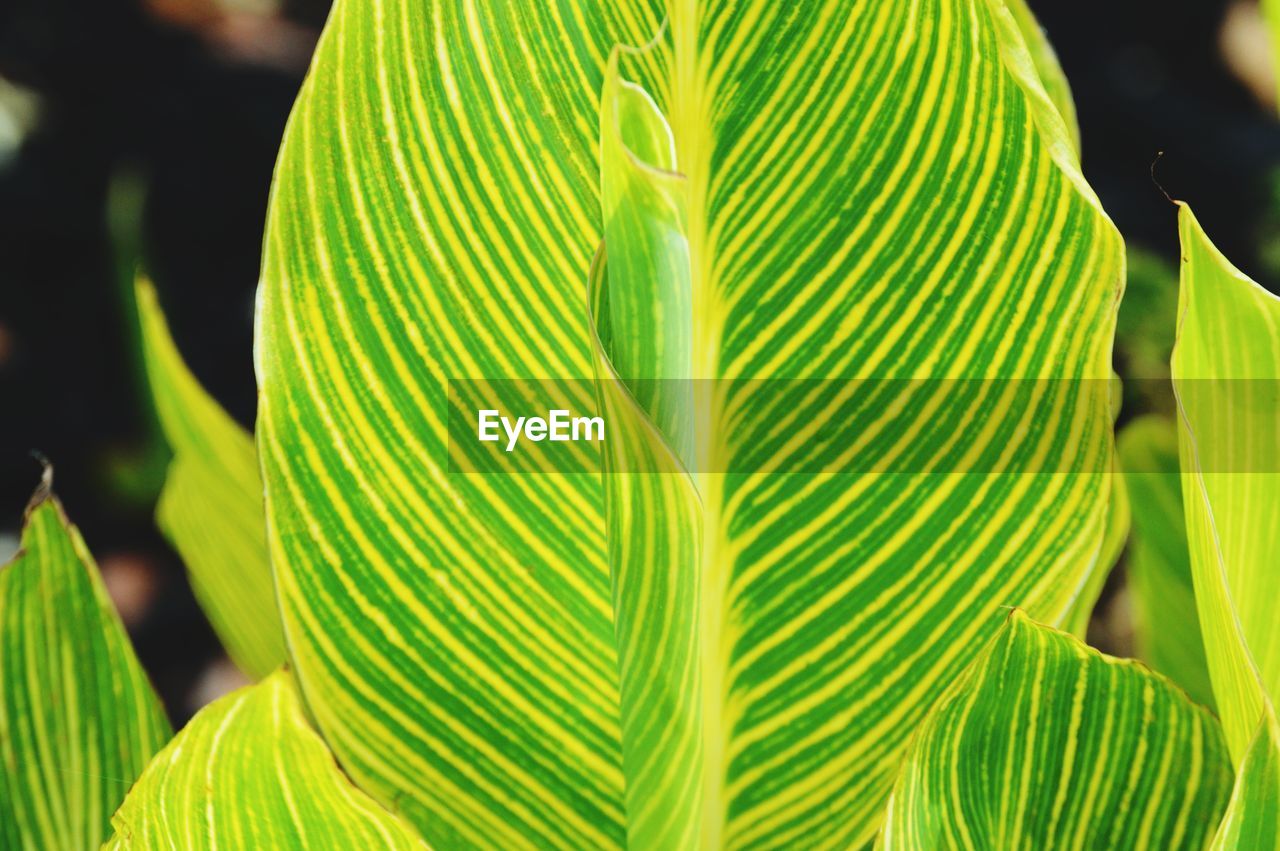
{"points": [[434, 216], [248, 772], [869, 191], [812, 193], [1046, 743], [78, 718]]}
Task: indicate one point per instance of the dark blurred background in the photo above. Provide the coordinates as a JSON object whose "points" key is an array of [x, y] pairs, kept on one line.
{"points": [[145, 131], [133, 131]]}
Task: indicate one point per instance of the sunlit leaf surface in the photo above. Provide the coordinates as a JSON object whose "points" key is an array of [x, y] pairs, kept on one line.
{"points": [[1252, 822], [1226, 370]]}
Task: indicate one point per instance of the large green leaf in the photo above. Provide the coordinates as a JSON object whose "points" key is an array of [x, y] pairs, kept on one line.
{"points": [[434, 215], [863, 191], [211, 506], [1046, 743], [249, 773], [1226, 370], [803, 623], [1166, 624], [78, 719]]}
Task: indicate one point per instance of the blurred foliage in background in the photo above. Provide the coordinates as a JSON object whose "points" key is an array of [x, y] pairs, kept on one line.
{"points": [[133, 132], [145, 132]]}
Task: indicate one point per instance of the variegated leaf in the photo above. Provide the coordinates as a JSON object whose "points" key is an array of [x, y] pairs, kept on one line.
{"points": [[801, 193], [781, 633], [78, 718], [1046, 743], [248, 772]]}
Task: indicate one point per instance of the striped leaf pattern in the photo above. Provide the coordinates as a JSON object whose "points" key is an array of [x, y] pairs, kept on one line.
{"points": [[1166, 623], [78, 718], [211, 505], [249, 773], [1119, 519], [434, 215], [828, 156], [1046, 743], [1226, 370], [836, 190]]}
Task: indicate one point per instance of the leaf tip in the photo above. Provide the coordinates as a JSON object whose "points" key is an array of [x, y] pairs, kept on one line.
{"points": [[44, 490]]}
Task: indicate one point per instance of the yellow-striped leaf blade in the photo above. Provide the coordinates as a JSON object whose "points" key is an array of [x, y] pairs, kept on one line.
{"points": [[1046, 743], [1252, 821], [1226, 371], [864, 193], [433, 218], [211, 506], [434, 215], [78, 718], [644, 320], [248, 772], [1166, 624]]}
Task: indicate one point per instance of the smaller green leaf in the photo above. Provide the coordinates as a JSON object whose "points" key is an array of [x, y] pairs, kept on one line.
{"points": [[78, 718], [1226, 373], [211, 507], [1166, 623], [248, 772], [1252, 822], [1047, 743]]}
